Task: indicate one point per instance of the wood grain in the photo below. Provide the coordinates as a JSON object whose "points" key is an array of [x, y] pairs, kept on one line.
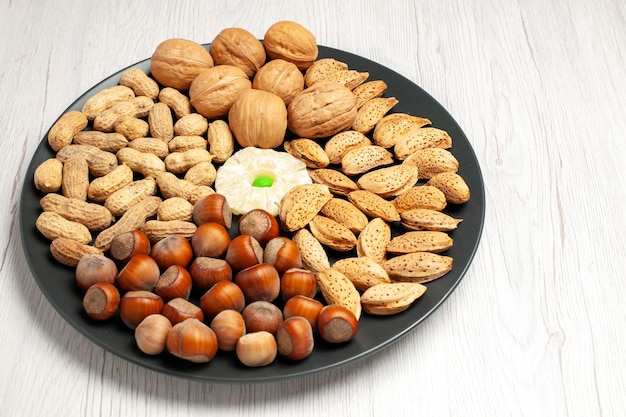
{"points": [[535, 326]]}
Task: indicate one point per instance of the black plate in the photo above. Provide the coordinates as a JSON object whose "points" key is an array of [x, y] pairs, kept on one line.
{"points": [[57, 281]]}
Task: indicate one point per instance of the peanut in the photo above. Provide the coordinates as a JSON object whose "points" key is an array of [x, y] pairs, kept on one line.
{"points": [[64, 129], [108, 142], [144, 163], [159, 229], [131, 220], [131, 127], [123, 199], [136, 107], [100, 162], [101, 188], [161, 122], [203, 173], [53, 225], [68, 251], [172, 186], [180, 162], [104, 99], [140, 83], [191, 125], [185, 143], [94, 216], [177, 101], [221, 141], [150, 145], [75, 181], [48, 175], [175, 208]]}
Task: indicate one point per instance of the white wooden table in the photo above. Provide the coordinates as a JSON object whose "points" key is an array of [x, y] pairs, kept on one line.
{"points": [[534, 329]]}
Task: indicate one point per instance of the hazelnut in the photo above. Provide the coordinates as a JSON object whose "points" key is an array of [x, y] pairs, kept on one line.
{"points": [[101, 301], [223, 295], [192, 340], [294, 338], [150, 334], [256, 349], [228, 326], [260, 224]]}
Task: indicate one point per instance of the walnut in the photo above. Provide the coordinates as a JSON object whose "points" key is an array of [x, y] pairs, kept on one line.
{"points": [[292, 42], [258, 118], [238, 47], [322, 110], [281, 78], [214, 90], [176, 62]]}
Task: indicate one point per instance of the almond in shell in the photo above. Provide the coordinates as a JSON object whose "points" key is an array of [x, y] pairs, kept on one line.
{"points": [[364, 272], [301, 204], [374, 205], [427, 219], [393, 126], [337, 182], [373, 239], [432, 161], [364, 158], [332, 234], [347, 77], [314, 257], [369, 90], [420, 196], [418, 267], [389, 181], [346, 213], [416, 139], [308, 151], [321, 69], [371, 112], [338, 289], [391, 298], [338, 145], [452, 185], [420, 241]]}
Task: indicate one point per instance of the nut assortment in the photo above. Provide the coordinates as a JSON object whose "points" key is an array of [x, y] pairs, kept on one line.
{"points": [[130, 199]]}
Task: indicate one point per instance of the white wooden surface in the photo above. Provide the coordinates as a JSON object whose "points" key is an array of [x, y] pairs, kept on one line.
{"points": [[536, 326]]}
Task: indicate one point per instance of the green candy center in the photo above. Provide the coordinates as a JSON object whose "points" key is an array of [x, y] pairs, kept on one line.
{"points": [[263, 181]]}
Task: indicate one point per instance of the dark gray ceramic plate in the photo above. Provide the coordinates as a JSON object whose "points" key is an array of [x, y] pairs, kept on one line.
{"points": [[375, 333]]}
